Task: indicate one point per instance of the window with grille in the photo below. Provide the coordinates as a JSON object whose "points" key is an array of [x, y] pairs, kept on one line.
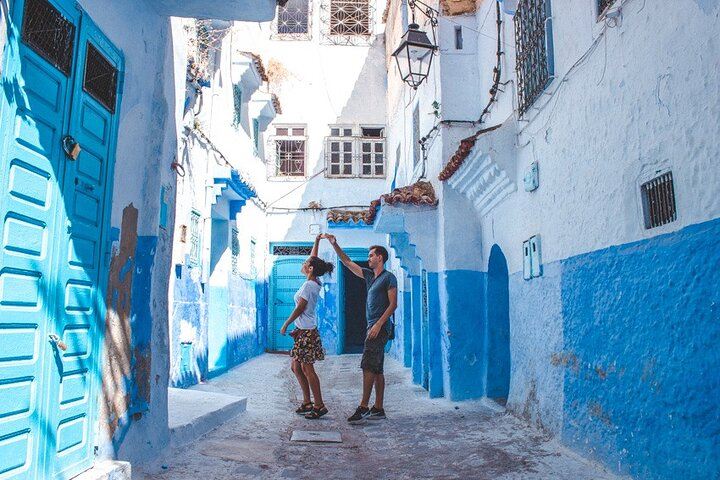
{"points": [[256, 135], [235, 251], [292, 21], [346, 22], [298, 250], [100, 79], [237, 103], [287, 152], [533, 51], [49, 34], [349, 17], [658, 201], [194, 256], [253, 267], [603, 6], [416, 137], [351, 154]]}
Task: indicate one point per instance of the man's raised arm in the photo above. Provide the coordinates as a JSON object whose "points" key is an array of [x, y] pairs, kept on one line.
{"points": [[352, 266]]}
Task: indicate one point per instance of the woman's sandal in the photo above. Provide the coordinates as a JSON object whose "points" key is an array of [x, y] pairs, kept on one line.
{"points": [[304, 408], [317, 413]]}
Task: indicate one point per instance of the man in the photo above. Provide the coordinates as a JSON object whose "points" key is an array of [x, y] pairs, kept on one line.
{"points": [[381, 303]]}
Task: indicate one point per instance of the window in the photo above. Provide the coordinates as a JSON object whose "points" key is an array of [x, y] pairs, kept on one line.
{"points": [[458, 38], [658, 201], [256, 135], [603, 6], [235, 250], [533, 51], [253, 266], [292, 21], [356, 155], [237, 102], [416, 137], [349, 17], [194, 256], [299, 250], [287, 152], [346, 22]]}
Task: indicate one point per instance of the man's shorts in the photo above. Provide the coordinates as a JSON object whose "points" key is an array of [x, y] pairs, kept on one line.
{"points": [[373, 356]]}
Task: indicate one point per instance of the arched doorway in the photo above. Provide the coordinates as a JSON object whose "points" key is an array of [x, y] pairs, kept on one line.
{"points": [[498, 309]]}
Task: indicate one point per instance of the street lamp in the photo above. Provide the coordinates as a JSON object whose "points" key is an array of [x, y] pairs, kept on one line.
{"points": [[415, 53]]}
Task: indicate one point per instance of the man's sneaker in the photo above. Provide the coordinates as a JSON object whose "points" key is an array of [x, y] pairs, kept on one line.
{"points": [[377, 414], [360, 414]]}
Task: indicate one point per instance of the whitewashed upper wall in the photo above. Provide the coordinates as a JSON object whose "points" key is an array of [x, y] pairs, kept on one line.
{"points": [[645, 99], [321, 85], [642, 98]]}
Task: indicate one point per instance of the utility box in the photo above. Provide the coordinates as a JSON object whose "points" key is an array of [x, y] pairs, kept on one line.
{"points": [[531, 179]]}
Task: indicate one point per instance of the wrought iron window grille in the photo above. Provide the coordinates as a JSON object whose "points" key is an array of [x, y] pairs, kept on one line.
{"points": [[292, 21], [194, 254], [101, 78], [658, 201], [295, 250], [235, 251], [346, 22], [287, 152], [533, 47], [49, 34]]}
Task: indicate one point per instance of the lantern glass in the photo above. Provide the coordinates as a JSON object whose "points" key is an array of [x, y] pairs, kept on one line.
{"points": [[414, 56]]}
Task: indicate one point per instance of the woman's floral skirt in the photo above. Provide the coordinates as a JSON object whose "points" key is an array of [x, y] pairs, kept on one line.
{"points": [[308, 346]]}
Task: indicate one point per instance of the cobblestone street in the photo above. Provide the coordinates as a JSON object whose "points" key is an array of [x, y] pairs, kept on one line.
{"points": [[421, 438]]}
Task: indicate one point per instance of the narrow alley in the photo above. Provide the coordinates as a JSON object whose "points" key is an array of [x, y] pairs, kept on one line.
{"points": [[421, 438]]}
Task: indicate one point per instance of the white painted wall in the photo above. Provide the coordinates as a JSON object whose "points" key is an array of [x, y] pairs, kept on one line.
{"points": [[645, 90], [318, 85]]}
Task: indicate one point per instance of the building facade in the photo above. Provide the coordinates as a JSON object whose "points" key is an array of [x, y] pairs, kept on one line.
{"points": [[585, 125]]}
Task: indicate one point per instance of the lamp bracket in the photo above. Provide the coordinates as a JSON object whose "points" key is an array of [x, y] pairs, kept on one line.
{"points": [[428, 11]]}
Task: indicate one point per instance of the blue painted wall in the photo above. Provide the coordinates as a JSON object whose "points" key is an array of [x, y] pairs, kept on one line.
{"points": [[436, 376], [463, 308], [642, 354], [190, 306]]}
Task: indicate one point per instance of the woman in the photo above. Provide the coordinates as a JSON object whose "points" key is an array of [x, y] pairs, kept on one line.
{"points": [[308, 346]]}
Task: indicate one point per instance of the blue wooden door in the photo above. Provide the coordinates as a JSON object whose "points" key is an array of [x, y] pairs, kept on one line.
{"points": [[285, 280], [55, 216]]}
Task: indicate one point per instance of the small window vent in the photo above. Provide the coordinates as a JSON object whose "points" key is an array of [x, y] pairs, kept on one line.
{"points": [[658, 200]]}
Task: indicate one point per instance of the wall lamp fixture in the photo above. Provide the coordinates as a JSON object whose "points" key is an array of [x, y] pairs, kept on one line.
{"points": [[415, 53]]}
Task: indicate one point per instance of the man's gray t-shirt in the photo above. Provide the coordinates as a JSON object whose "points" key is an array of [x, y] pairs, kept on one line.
{"points": [[377, 294]]}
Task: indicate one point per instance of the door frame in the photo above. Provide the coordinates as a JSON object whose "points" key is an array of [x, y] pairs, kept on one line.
{"points": [[271, 286]]}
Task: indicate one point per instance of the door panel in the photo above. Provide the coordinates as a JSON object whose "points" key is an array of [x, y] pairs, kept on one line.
{"points": [[79, 319], [32, 166], [286, 280], [53, 221]]}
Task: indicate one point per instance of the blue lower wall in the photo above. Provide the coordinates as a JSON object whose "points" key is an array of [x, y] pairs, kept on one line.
{"points": [[642, 354], [464, 312]]}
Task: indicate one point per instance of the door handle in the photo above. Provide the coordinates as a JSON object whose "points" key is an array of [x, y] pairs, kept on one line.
{"points": [[71, 147], [55, 340]]}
